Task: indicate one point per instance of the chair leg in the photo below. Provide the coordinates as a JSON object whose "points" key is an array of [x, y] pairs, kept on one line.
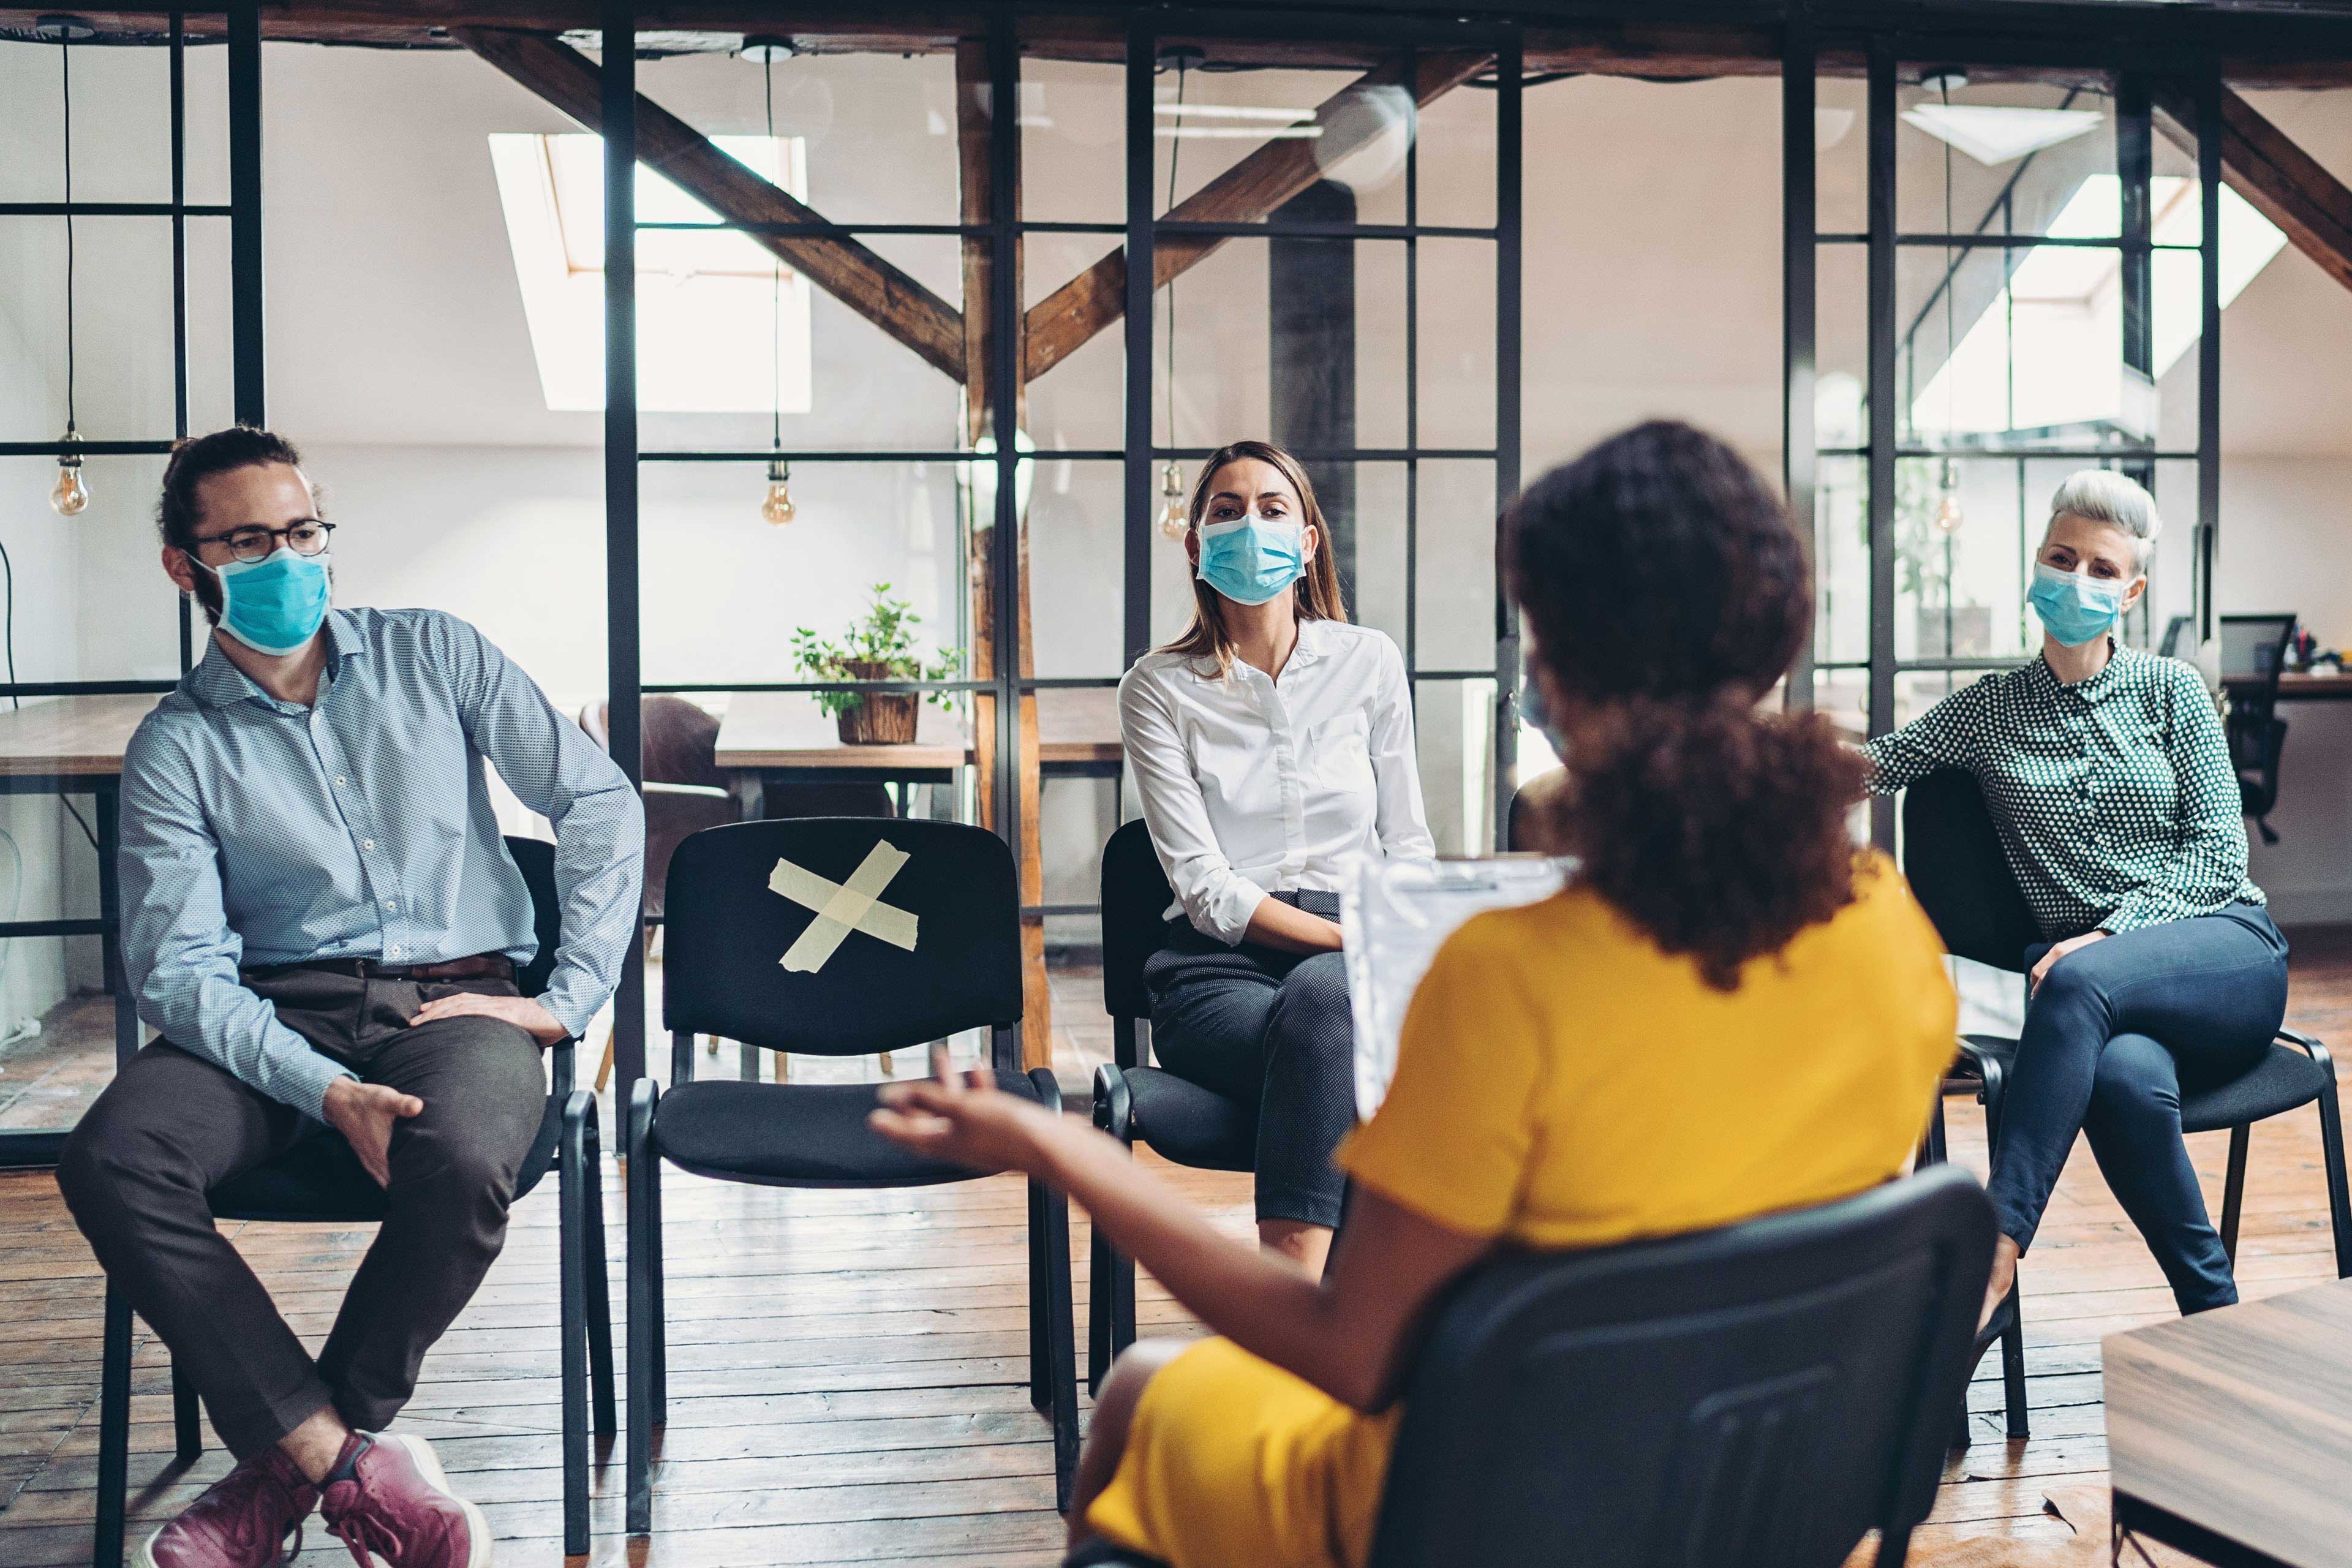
{"points": [[1061, 1345], [748, 1068], [604, 1422], [1893, 1548], [113, 1430], [658, 1284], [2013, 1376], [644, 1325], [573, 1293], [187, 1418], [1099, 1270], [2339, 1202], [1041, 1384], [2234, 1190], [1931, 1143]]}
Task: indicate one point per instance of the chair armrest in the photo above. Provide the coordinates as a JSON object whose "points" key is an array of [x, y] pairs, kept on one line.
{"points": [[564, 1065], [2309, 1045]]}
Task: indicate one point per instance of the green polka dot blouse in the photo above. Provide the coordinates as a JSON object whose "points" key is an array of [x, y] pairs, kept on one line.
{"points": [[2114, 797]]}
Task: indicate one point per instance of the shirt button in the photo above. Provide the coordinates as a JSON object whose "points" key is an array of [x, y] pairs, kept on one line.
{"points": [[367, 843], [396, 950], [341, 781], [392, 903]]}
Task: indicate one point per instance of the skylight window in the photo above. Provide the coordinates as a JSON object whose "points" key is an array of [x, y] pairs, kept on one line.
{"points": [[718, 330], [2047, 351]]}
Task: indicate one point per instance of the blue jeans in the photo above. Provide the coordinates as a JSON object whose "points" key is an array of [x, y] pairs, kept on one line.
{"points": [[2109, 1038]]}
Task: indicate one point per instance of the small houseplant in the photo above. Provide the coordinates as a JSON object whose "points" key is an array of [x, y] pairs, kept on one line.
{"points": [[879, 646]]}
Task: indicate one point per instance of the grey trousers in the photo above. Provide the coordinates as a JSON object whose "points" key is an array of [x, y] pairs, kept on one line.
{"points": [[1272, 1030], [171, 1126]]}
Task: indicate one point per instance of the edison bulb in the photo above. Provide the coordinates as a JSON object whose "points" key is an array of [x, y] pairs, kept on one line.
{"points": [[1175, 517], [1948, 516], [69, 497], [777, 507]]}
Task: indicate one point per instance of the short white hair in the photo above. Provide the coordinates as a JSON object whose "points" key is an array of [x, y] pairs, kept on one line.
{"points": [[2102, 495]]}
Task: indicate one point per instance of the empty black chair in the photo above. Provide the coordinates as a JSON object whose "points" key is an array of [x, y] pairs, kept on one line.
{"points": [[2253, 657], [838, 937], [1763, 1394], [2257, 746], [1189, 1124], [1952, 854], [319, 1180]]}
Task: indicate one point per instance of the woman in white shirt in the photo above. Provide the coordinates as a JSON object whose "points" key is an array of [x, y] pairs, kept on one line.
{"points": [[1271, 744]]}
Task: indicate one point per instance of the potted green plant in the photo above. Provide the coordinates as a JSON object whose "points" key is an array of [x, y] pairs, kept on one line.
{"points": [[879, 646]]}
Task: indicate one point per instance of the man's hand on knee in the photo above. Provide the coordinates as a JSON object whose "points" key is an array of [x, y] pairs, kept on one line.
{"points": [[520, 1011], [364, 1113]]}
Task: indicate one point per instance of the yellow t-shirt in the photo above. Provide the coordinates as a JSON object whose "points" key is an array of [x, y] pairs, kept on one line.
{"points": [[1562, 1082]]}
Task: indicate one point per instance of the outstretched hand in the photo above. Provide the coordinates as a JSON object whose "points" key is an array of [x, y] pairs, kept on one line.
{"points": [[963, 1118]]}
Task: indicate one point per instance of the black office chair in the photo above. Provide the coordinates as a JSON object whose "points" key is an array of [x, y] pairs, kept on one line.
{"points": [[1133, 1099], [321, 1182], [732, 937], [2254, 655], [1763, 1394], [1953, 858]]}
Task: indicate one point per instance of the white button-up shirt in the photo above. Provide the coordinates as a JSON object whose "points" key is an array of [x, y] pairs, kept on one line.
{"points": [[1254, 785]]}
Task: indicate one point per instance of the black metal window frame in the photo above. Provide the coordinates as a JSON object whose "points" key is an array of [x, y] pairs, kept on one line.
{"points": [[2132, 71], [1139, 453], [40, 1147]]}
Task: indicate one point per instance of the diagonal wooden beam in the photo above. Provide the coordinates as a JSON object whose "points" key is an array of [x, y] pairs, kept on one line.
{"points": [[2278, 179], [842, 268], [1061, 323]]}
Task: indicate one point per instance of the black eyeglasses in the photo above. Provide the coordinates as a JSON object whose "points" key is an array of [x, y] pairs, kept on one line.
{"points": [[307, 537]]}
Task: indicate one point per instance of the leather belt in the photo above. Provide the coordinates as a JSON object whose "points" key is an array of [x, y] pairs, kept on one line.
{"points": [[480, 966]]}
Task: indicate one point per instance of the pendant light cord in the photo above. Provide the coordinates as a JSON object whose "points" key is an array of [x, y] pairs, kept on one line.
{"points": [[65, 65], [1175, 153], [776, 273]]}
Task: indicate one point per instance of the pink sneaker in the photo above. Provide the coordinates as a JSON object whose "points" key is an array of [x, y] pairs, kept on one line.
{"points": [[243, 1520], [387, 1499]]}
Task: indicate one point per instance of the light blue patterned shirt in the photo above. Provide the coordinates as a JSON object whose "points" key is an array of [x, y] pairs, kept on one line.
{"points": [[257, 832]]}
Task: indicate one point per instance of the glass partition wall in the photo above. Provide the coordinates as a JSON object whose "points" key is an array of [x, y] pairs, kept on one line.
{"points": [[2000, 272]]}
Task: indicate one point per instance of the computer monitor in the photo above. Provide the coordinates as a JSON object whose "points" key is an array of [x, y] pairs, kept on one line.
{"points": [[2252, 646]]}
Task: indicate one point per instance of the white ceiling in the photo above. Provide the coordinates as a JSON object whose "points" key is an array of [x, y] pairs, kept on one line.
{"points": [[1652, 249]]}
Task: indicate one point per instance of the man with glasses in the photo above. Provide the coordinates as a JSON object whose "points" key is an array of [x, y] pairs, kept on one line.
{"points": [[320, 920]]}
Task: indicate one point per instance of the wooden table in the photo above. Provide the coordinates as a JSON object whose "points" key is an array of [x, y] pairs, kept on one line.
{"points": [[73, 745], [2294, 688], [2230, 1433], [780, 737]]}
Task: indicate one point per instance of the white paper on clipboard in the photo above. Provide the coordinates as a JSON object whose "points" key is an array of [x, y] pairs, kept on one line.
{"points": [[1393, 916]]}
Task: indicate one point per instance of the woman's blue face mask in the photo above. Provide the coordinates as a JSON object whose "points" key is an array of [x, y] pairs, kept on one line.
{"points": [[1250, 560], [2074, 606]]}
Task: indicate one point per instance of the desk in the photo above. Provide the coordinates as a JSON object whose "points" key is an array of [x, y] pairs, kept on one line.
{"points": [[2296, 688], [780, 737], [73, 745], [2230, 1433]]}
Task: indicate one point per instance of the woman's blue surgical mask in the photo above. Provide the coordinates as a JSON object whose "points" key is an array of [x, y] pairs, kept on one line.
{"points": [[273, 606], [2074, 606], [1252, 558]]}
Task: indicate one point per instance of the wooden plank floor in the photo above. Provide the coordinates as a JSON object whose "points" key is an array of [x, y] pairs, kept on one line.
{"points": [[849, 1370]]}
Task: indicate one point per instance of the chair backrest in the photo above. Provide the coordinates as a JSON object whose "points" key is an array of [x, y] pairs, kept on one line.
{"points": [[535, 858], [1135, 899], [1761, 1394], [1953, 858], [2253, 648], [2174, 630], [732, 935], [677, 739]]}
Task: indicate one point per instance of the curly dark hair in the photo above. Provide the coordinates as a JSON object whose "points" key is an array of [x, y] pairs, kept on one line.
{"points": [[1668, 592], [197, 458]]}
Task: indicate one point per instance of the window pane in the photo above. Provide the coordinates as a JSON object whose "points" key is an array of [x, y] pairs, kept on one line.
{"points": [[2023, 157]]}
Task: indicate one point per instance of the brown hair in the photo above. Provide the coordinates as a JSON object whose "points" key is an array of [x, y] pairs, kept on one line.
{"points": [[197, 458], [1668, 593], [1317, 592]]}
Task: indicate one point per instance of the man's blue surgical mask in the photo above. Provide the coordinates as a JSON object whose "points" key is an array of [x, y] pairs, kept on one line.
{"points": [[2074, 606], [273, 606], [1251, 558]]}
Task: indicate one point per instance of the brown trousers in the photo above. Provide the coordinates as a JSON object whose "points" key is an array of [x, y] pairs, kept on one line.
{"points": [[171, 1126]]}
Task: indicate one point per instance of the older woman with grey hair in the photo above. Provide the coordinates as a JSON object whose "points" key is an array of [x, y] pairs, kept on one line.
{"points": [[2108, 778]]}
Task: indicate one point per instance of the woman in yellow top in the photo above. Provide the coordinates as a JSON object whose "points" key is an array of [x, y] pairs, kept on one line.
{"points": [[1727, 1011]]}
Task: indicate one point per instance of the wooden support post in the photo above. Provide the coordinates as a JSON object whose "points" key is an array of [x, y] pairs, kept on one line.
{"points": [[974, 125]]}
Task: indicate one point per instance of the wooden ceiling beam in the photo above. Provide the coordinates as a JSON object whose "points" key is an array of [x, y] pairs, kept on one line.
{"points": [[2278, 179], [849, 271], [1063, 323]]}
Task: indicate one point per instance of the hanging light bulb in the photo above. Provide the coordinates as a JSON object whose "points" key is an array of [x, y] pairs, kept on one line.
{"points": [[1174, 516], [69, 497], [777, 507], [1949, 515]]}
